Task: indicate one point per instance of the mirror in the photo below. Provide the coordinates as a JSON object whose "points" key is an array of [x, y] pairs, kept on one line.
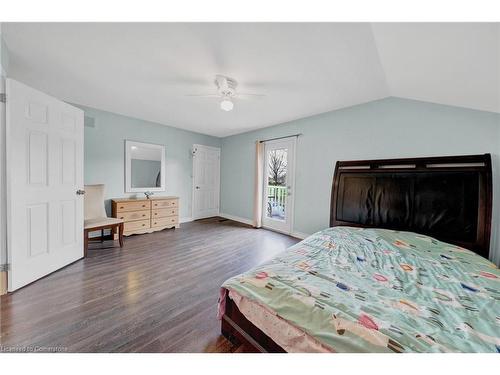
{"points": [[144, 167]]}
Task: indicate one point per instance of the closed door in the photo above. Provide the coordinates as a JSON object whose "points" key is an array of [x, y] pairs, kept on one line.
{"points": [[206, 180], [277, 212], [44, 176]]}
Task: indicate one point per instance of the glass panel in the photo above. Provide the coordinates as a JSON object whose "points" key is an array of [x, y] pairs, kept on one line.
{"points": [[276, 184], [145, 167]]}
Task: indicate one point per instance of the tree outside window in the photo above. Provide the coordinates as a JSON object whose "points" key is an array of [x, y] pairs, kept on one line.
{"points": [[277, 167]]}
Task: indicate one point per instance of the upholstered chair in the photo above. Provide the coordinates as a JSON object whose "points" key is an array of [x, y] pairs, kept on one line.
{"points": [[96, 217]]}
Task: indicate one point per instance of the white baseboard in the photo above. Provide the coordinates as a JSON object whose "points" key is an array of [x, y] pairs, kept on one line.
{"points": [[236, 218], [185, 220], [299, 235], [243, 220]]}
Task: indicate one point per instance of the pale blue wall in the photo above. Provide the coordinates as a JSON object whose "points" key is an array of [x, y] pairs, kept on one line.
{"points": [[387, 128], [105, 155]]}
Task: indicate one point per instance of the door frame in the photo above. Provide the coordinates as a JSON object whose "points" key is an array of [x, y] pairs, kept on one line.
{"points": [[193, 188], [291, 201], [4, 257]]}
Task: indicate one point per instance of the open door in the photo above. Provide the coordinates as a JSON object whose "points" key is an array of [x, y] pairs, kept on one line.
{"points": [[44, 139]]}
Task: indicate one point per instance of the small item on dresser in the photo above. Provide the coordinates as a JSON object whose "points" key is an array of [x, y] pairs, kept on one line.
{"points": [[148, 194], [146, 215]]}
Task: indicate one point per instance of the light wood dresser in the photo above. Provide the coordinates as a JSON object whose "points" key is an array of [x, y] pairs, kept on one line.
{"points": [[146, 215]]}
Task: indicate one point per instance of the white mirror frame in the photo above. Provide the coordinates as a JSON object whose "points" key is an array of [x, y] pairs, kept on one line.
{"points": [[128, 167]]}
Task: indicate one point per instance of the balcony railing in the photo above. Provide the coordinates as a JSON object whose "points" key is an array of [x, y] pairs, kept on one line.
{"points": [[276, 198]]}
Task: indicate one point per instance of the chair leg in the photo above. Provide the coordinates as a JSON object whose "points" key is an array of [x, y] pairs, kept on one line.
{"points": [[102, 235], [120, 234], [85, 242]]}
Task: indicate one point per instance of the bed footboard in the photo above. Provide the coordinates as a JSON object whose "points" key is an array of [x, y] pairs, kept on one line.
{"points": [[239, 330]]}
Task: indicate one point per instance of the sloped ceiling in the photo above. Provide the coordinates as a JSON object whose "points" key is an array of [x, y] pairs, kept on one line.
{"points": [[448, 63], [146, 70]]}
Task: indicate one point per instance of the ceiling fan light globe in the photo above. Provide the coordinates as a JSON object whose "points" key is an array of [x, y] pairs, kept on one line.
{"points": [[226, 105]]}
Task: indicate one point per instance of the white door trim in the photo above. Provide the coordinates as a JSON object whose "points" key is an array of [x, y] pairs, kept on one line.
{"points": [[290, 210], [194, 216], [3, 199]]}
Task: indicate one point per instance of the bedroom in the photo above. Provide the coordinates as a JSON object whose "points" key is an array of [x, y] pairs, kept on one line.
{"points": [[238, 187]]}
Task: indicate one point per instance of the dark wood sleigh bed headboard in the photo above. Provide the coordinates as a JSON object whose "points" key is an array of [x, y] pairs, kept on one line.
{"points": [[448, 198]]}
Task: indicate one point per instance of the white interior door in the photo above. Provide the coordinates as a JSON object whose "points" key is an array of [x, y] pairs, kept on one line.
{"points": [[279, 184], [206, 181], [44, 172]]}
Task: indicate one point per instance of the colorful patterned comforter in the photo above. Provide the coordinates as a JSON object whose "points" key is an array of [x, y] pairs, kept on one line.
{"points": [[376, 290]]}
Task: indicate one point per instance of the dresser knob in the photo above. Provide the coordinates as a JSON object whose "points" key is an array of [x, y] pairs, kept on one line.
{"points": [[143, 225]]}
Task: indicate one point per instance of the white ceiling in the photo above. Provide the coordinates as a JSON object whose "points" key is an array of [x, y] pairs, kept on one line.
{"points": [[146, 70], [447, 63]]}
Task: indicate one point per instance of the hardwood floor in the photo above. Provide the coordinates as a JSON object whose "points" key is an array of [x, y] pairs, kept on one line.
{"points": [[157, 294]]}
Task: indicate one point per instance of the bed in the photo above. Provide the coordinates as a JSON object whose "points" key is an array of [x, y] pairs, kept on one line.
{"points": [[402, 268]]}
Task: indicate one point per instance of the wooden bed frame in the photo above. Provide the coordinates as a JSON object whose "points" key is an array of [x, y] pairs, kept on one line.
{"points": [[449, 198]]}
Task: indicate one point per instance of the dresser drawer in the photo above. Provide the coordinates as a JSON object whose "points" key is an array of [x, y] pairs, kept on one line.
{"points": [[164, 221], [136, 225], [133, 215], [132, 206], [167, 203], [164, 212]]}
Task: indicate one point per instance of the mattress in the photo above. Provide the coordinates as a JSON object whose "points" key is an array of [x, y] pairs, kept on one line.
{"points": [[349, 289]]}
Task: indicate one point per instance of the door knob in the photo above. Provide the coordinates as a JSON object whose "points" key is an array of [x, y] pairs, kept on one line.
{"points": [[197, 187], [80, 192]]}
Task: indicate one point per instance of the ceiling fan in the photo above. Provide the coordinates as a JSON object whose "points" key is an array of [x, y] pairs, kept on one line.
{"points": [[226, 91]]}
